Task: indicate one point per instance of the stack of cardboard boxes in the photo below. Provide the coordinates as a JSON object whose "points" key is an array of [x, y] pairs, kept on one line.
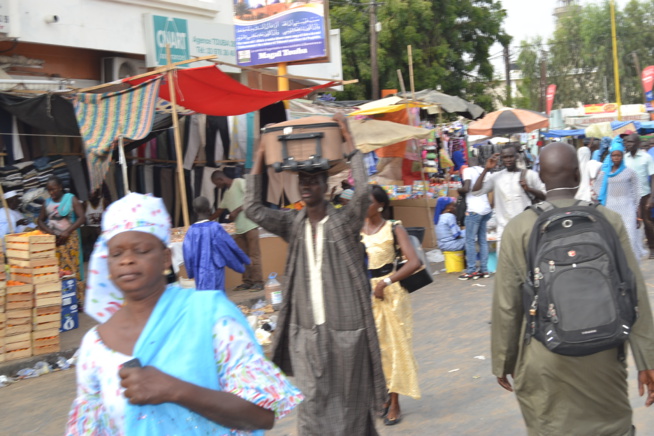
{"points": [[34, 296]]}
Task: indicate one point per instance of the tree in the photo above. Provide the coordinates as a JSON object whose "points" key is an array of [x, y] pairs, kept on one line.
{"points": [[450, 40], [580, 56], [528, 62]]}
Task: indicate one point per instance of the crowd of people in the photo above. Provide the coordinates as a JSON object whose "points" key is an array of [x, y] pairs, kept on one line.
{"points": [[169, 360]]}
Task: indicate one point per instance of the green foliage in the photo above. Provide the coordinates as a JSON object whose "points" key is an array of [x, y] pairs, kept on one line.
{"points": [[580, 56], [529, 64], [450, 41]]}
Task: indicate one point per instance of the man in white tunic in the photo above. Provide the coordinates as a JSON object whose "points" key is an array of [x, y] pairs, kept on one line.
{"points": [[513, 189]]}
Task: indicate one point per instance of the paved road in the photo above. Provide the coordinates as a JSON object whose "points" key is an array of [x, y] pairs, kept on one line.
{"points": [[459, 394]]}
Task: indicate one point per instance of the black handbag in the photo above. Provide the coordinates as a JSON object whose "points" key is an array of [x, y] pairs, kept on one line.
{"points": [[420, 278]]}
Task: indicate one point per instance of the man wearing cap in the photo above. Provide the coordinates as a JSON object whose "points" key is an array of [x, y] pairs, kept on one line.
{"points": [[643, 164], [18, 221]]}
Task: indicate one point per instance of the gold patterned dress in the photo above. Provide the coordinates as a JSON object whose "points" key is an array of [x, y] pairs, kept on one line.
{"points": [[393, 318]]}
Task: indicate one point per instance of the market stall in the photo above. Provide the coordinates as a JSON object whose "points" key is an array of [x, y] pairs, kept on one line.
{"points": [[273, 254]]}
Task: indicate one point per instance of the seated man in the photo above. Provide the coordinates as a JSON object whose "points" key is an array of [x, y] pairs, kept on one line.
{"points": [[448, 233], [208, 248], [18, 222]]}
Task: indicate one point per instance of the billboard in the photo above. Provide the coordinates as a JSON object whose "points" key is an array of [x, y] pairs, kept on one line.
{"points": [[601, 108], [271, 33], [187, 38]]}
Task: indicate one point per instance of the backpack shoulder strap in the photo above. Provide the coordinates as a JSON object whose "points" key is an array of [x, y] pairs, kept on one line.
{"points": [[542, 207]]}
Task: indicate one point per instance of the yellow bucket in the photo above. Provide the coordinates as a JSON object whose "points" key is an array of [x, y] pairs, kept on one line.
{"points": [[455, 261]]}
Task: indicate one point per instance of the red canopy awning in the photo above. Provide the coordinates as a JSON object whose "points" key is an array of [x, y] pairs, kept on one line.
{"points": [[207, 90]]}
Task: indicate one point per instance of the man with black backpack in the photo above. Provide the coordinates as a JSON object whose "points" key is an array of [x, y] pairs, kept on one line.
{"points": [[569, 297]]}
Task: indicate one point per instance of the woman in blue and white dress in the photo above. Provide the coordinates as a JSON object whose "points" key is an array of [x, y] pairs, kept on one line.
{"points": [[618, 189]]}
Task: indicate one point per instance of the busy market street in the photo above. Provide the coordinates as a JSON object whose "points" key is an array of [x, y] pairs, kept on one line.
{"points": [[327, 217], [461, 396]]}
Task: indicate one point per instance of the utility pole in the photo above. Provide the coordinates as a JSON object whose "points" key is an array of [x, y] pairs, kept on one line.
{"points": [[507, 68], [543, 80], [374, 67], [616, 67], [638, 71]]}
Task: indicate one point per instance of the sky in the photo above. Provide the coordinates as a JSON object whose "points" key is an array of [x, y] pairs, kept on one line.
{"points": [[530, 18]]}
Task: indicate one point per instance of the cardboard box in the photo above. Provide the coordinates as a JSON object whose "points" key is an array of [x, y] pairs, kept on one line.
{"points": [[69, 318], [69, 285], [68, 298]]}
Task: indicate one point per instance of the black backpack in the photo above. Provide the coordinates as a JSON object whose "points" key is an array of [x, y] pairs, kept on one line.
{"points": [[580, 295]]}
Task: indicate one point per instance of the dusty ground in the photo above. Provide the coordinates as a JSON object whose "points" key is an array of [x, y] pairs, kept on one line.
{"points": [[459, 394]]}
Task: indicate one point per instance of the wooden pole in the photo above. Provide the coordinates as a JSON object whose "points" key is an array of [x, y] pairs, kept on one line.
{"points": [[413, 88], [178, 140], [123, 162]]}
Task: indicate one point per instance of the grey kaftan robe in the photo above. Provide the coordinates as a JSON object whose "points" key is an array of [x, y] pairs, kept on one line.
{"points": [[562, 395], [337, 365]]}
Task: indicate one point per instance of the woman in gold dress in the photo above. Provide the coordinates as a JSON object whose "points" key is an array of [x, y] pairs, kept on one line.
{"points": [[391, 304]]}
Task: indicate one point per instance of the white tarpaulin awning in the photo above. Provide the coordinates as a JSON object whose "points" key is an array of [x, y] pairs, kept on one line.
{"points": [[370, 135]]}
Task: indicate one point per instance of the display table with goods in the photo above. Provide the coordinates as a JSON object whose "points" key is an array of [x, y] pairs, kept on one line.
{"points": [[31, 300], [414, 205], [273, 254]]}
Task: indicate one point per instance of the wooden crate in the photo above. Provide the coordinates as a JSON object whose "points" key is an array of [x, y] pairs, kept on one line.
{"points": [[47, 349], [33, 263], [18, 354], [17, 326], [17, 301], [46, 314], [31, 243], [18, 289], [18, 346], [47, 325], [36, 278], [45, 341], [3, 322], [26, 255], [47, 299], [45, 269], [46, 288]]}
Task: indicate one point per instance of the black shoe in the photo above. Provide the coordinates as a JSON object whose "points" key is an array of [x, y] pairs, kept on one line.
{"points": [[484, 274], [466, 276], [392, 421]]}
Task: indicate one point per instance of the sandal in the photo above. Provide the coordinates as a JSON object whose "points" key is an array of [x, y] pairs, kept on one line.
{"points": [[392, 421]]}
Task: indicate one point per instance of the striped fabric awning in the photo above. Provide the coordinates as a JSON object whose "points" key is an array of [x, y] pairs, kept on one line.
{"points": [[103, 118]]}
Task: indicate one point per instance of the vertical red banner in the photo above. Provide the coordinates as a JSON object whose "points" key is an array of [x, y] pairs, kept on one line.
{"points": [[648, 80], [551, 91]]}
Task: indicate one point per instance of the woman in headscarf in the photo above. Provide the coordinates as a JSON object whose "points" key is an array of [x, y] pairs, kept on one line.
{"points": [[62, 216], [618, 188], [165, 360], [448, 233], [391, 304]]}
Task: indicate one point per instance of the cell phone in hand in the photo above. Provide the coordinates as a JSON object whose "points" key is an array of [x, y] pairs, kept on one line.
{"points": [[134, 363]]}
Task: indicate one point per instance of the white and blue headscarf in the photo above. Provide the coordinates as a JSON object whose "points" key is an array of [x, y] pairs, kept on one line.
{"points": [[135, 213], [616, 145]]}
